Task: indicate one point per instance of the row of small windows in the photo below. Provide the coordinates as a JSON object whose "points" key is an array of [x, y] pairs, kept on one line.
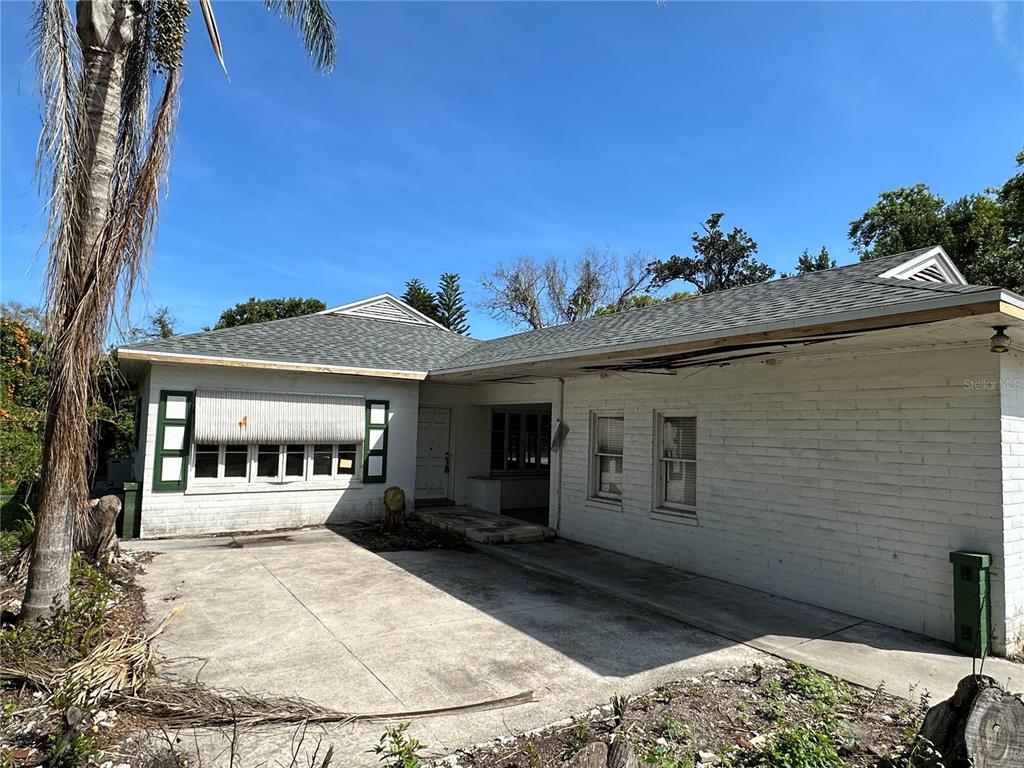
{"points": [[675, 459], [270, 463]]}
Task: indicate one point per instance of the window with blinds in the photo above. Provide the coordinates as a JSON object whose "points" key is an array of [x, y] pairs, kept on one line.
{"points": [[607, 449], [677, 463]]}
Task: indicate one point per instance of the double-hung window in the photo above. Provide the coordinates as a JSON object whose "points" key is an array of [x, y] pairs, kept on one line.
{"points": [[677, 463], [607, 449]]}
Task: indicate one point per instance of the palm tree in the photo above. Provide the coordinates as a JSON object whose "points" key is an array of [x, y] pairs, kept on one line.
{"points": [[103, 155]]}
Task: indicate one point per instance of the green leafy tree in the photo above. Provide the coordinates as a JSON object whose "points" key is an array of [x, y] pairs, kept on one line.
{"points": [[983, 233], [24, 382], [640, 301], [260, 310], [108, 80], [901, 220], [451, 306], [720, 261], [419, 298], [807, 263]]}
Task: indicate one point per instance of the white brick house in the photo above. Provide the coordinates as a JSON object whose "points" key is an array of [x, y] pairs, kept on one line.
{"points": [[830, 437]]}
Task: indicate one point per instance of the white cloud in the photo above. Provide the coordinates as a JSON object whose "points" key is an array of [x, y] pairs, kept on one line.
{"points": [[1001, 26]]}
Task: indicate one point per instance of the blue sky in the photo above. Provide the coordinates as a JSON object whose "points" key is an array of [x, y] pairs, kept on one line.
{"points": [[455, 136]]}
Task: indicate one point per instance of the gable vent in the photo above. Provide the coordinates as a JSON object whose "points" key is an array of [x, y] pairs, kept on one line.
{"points": [[384, 310], [931, 266], [930, 274], [384, 307]]}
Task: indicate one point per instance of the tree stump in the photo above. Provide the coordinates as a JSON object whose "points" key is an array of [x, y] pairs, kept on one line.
{"points": [[593, 755], [980, 725], [99, 537], [394, 508]]}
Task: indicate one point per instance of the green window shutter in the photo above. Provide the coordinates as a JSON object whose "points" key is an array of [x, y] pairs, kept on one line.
{"points": [[173, 432], [375, 453]]}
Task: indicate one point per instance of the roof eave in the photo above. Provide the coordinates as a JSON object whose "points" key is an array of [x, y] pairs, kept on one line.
{"points": [[178, 358], [906, 313]]}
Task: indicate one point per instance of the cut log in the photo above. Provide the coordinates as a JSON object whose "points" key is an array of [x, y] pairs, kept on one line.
{"points": [[621, 755], [994, 735], [594, 755], [980, 725], [99, 539]]}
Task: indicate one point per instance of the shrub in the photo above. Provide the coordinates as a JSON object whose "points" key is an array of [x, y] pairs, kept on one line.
{"points": [[397, 750]]}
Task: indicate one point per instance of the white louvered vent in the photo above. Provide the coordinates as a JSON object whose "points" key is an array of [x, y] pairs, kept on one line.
{"points": [[384, 307], [384, 310], [932, 266], [930, 274]]}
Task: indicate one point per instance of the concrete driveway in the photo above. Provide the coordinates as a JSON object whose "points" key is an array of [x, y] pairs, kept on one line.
{"points": [[311, 614]]}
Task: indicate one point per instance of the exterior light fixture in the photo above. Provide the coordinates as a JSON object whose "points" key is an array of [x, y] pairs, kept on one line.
{"points": [[1000, 341]]}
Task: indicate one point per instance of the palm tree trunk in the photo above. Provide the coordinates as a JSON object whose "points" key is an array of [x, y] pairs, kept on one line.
{"points": [[106, 29]]}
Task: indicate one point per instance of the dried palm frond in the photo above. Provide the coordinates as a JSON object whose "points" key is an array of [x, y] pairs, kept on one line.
{"points": [[313, 20], [116, 667], [211, 29], [198, 706]]}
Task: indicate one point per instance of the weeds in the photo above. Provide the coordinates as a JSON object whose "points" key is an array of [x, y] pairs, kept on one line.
{"points": [[797, 746], [674, 729], [812, 684], [74, 630], [531, 754], [397, 750], [577, 739]]}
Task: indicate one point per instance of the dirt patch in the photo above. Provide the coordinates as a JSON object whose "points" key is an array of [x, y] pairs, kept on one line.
{"points": [[775, 715], [415, 534], [30, 726]]}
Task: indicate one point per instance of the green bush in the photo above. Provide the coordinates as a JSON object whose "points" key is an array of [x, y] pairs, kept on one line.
{"points": [[812, 684]]}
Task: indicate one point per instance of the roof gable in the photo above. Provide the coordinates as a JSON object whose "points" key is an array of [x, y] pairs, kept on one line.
{"points": [[384, 307], [930, 265]]}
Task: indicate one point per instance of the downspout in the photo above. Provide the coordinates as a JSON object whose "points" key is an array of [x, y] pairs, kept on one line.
{"points": [[561, 420]]}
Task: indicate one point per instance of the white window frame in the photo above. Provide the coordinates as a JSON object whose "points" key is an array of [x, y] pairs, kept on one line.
{"points": [[661, 504], [254, 481], [594, 491]]}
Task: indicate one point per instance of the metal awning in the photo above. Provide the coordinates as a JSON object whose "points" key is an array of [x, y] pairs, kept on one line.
{"points": [[237, 416]]}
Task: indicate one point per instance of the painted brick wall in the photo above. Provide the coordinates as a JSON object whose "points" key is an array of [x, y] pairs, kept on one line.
{"points": [[194, 512], [1011, 390], [843, 482]]}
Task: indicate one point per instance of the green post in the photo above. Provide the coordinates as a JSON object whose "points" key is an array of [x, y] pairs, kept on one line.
{"points": [[972, 624], [132, 508]]}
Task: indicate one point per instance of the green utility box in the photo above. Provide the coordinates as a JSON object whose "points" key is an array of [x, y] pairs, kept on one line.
{"points": [[971, 603], [131, 517]]}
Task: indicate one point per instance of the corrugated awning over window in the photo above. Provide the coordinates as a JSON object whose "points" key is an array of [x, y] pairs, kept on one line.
{"points": [[226, 416]]}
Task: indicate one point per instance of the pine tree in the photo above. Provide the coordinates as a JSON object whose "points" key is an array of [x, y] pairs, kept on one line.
{"points": [[451, 307], [419, 298], [808, 263]]}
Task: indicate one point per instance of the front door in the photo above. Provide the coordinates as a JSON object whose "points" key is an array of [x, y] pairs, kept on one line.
{"points": [[433, 436]]}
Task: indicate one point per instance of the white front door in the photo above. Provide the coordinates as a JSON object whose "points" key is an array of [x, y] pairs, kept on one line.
{"points": [[433, 436]]}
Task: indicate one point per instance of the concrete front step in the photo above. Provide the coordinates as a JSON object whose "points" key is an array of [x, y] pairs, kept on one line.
{"points": [[485, 527]]}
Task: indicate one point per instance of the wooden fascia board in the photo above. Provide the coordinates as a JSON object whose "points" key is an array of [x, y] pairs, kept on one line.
{"points": [[175, 358]]}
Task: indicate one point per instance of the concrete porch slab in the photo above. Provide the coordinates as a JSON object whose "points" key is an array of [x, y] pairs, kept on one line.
{"points": [[485, 527]]}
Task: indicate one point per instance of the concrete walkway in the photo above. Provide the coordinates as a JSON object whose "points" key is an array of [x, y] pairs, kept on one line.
{"points": [[860, 651]]}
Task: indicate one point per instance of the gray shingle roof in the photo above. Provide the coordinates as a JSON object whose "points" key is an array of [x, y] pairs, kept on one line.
{"points": [[336, 340], [844, 289], [360, 342]]}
